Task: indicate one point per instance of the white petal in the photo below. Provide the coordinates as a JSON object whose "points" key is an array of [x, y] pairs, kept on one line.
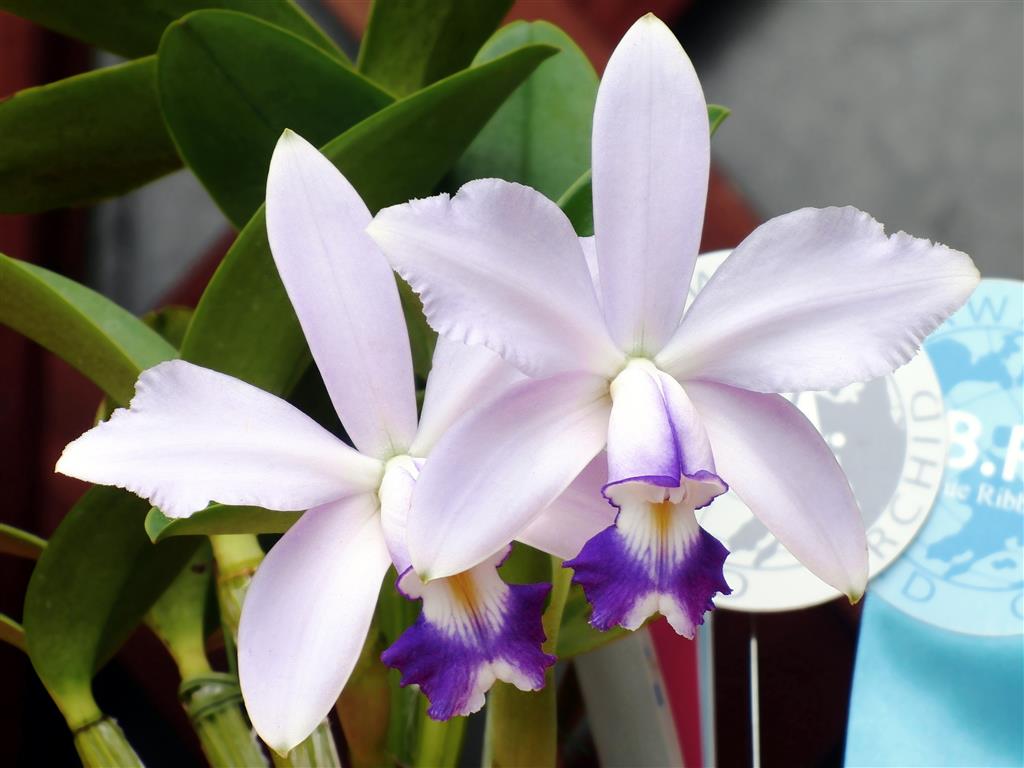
{"points": [[305, 618], [818, 299], [496, 470], [461, 378], [344, 294], [192, 436], [651, 155], [778, 464], [580, 513], [500, 265]]}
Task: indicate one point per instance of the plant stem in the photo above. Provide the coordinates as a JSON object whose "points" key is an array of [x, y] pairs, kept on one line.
{"points": [[522, 726], [237, 558], [439, 742], [364, 707], [102, 744], [317, 751], [212, 702]]}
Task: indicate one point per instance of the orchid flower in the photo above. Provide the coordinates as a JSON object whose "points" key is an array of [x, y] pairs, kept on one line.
{"points": [[192, 435], [684, 404]]}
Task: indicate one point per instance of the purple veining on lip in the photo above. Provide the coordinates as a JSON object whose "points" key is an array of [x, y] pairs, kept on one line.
{"points": [[455, 669], [616, 582]]}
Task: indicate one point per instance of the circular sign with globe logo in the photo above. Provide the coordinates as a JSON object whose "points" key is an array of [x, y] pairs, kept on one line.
{"points": [[888, 435], [965, 572]]}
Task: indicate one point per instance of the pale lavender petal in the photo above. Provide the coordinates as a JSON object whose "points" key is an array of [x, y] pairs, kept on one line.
{"points": [[817, 299], [580, 513], [500, 265], [461, 378], [651, 155], [655, 559], [496, 470], [474, 630], [305, 618], [783, 470], [192, 436], [344, 294]]}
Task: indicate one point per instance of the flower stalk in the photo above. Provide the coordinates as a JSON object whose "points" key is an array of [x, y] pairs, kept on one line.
{"points": [[212, 702], [522, 727], [102, 744]]}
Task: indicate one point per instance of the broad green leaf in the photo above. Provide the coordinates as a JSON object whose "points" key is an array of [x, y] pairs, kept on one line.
{"points": [[577, 202], [133, 28], [178, 617], [541, 136], [576, 636], [14, 541], [82, 139], [170, 322], [219, 519], [11, 632], [244, 324], [105, 342], [91, 587], [230, 84], [409, 44]]}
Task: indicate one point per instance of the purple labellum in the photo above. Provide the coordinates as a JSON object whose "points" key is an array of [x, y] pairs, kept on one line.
{"points": [[473, 629], [655, 559]]}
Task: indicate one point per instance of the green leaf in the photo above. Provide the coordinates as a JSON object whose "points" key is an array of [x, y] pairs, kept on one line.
{"points": [[219, 519], [577, 202], [576, 636], [82, 139], [14, 541], [541, 135], [92, 585], [105, 342], [170, 322], [409, 44], [133, 28], [178, 617], [244, 324], [230, 84], [11, 632]]}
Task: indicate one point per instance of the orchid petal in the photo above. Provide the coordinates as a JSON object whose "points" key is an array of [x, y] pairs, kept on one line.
{"points": [[817, 299], [497, 469], [474, 629], [192, 435], [580, 513], [651, 157], [500, 265], [305, 618], [461, 378], [782, 469], [344, 294]]}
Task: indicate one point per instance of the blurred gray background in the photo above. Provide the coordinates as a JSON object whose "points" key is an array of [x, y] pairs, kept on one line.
{"points": [[912, 110]]}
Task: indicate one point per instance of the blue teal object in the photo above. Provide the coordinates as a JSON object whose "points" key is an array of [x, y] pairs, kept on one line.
{"points": [[939, 677]]}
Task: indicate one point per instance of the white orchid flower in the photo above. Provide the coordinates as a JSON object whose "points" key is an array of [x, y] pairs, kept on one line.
{"points": [[192, 435], [814, 299]]}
